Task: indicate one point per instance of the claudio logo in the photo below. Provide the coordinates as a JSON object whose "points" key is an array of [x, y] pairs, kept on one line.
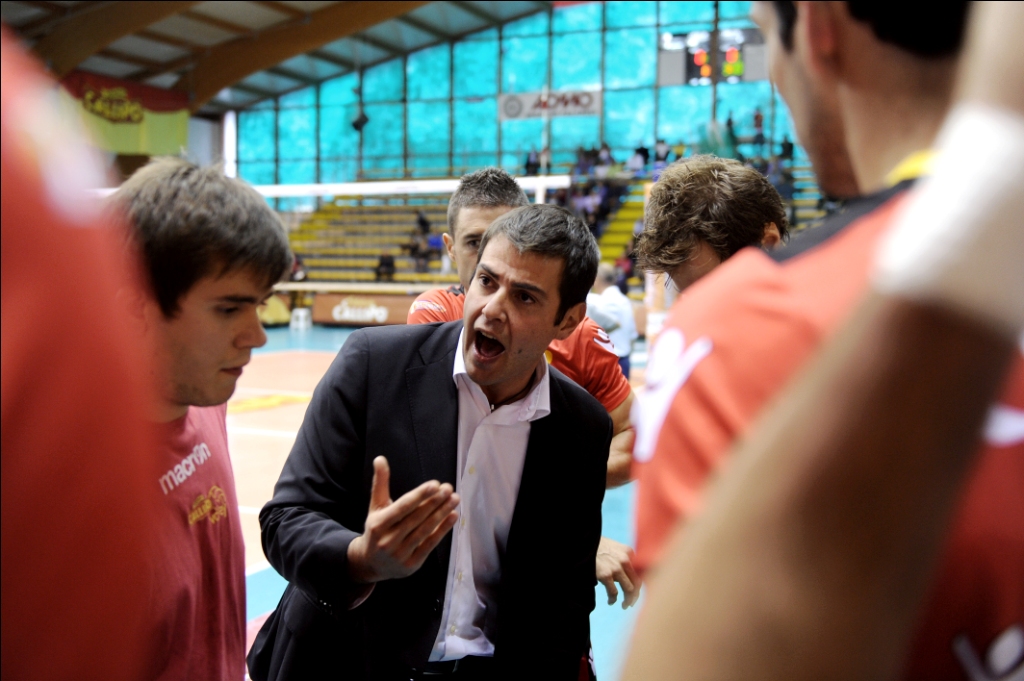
{"points": [[356, 309], [212, 506]]}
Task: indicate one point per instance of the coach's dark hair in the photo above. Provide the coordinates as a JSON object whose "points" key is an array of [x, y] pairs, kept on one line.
{"points": [[554, 232], [190, 222], [486, 188], [935, 33]]}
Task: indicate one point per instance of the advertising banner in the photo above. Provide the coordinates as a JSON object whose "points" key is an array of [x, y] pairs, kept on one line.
{"points": [[561, 103], [361, 310], [129, 118]]}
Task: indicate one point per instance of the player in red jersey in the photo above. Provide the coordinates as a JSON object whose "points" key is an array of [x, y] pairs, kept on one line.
{"points": [[585, 356], [734, 340], [212, 250]]}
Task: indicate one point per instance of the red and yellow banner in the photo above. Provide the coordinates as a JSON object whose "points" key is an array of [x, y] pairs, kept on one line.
{"points": [[129, 118]]}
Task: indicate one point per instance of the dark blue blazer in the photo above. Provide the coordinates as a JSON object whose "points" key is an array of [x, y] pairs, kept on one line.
{"points": [[390, 392]]}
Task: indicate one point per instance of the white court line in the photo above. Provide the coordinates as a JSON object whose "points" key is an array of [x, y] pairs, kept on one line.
{"points": [[266, 432], [257, 567]]}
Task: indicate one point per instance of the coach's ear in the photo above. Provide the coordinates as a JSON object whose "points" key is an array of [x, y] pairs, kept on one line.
{"points": [[573, 316], [772, 237]]}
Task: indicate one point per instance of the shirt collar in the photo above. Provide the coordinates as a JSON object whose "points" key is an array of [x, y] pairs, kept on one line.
{"points": [[536, 404], [913, 166]]}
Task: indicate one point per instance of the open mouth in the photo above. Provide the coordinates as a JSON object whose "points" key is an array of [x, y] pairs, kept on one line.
{"points": [[488, 347]]}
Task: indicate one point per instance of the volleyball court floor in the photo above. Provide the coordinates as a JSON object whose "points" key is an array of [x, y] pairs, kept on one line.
{"points": [[263, 417]]}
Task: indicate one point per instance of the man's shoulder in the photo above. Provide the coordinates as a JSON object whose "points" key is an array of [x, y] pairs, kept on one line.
{"points": [[569, 397], [385, 339], [437, 305]]}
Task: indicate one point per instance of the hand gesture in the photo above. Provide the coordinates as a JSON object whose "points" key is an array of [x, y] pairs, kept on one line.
{"points": [[615, 564], [399, 535]]}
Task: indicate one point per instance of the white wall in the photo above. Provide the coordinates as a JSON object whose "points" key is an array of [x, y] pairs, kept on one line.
{"points": [[205, 141]]}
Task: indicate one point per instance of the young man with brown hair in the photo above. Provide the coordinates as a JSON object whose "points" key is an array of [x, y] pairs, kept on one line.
{"points": [[734, 341], [701, 212], [211, 249]]}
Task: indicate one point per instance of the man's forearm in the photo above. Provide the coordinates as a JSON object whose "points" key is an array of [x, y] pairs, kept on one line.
{"points": [[818, 522], [620, 454], [620, 459]]}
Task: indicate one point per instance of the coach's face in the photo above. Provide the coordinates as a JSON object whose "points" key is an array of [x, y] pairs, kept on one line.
{"points": [[511, 306], [203, 347]]}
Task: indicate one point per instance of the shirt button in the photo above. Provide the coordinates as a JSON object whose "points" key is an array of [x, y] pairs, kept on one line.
{"points": [[472, 469], [462, 523], [459, 576], [451, 629]]}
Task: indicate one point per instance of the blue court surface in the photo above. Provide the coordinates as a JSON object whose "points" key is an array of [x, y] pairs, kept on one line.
{"points": [[610, 626]]}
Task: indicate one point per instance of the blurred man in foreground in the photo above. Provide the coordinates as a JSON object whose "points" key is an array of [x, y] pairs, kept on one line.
{"points": [[739, 335], [789, 574], [79, 499]]}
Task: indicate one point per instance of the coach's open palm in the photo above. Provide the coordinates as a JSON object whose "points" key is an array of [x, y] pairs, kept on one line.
{"points": [[399, 535]]}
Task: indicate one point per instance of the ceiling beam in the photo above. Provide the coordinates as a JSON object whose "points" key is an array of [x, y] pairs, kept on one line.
{"points": [[375, 43], [476, 11], [228, 63], [260, 92], [148, 64], [223, 25], [288, 73], [293, 12], [332, 59], [170, 40], [40, 26], [421, 26], [76, 39]]}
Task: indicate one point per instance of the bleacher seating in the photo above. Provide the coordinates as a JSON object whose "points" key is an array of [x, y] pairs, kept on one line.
{"points": [[619, 231], [344, 242]]}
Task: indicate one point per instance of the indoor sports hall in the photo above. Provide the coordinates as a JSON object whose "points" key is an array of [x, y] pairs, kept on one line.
{"points": [[359, 141]]}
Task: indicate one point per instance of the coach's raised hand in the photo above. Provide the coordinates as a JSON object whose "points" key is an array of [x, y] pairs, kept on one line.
{"points": [[399, 535]]}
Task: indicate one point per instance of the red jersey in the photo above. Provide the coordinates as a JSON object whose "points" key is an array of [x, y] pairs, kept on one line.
{"points": [[77, 456], [733, 341], [201, 612], [586, 356]]}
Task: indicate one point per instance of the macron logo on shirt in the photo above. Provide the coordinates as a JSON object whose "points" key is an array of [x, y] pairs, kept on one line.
{"points": [[182, 471]]}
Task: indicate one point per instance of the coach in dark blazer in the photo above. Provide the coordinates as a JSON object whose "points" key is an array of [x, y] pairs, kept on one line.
{"points": [[391, 392]]}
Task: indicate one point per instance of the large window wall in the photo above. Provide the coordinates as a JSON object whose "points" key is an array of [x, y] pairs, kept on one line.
{"points": [[435, 112]]}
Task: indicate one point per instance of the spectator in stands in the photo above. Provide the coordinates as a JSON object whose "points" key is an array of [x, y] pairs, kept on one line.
{"points": [[610, 308], [643, 152], [661, 151], [385, 269], [758, 129], [545, 161], [212, 249], [481, 198], [532, 163], [422, 222], [298, 272], [753, 309], [679, 150], [786, 149], [701, 212]]}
